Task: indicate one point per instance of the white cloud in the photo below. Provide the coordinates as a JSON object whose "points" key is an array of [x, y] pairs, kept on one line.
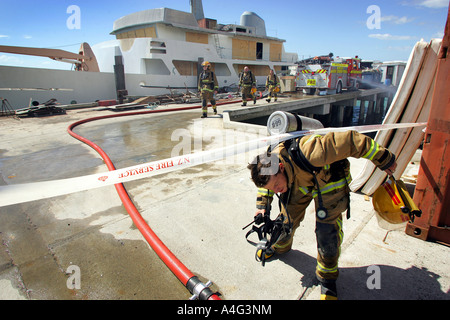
{"points": [[27, 37], [387, 36], [435, 4], [10, 60], [3, 36], [396, 20]]}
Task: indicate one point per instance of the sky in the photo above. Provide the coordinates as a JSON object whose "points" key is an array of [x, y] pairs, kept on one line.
{"points": [[372, 29]]}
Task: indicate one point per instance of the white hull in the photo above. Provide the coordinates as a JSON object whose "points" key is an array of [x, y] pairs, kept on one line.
{"points": [[33, 84], [83, 86]]}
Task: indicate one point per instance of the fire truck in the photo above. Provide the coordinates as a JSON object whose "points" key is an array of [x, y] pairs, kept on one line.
{"points": [[329, 76]]}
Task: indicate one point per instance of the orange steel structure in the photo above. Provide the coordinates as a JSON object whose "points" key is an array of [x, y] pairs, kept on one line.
{"points": [[432, 194], [85, 60]]}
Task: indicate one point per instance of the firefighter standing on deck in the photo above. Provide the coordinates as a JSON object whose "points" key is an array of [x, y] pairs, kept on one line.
{"points": [[207, 85], [247, 83], [322, 174], [272, 84]]}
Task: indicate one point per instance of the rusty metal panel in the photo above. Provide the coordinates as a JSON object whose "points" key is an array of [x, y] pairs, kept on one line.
{"points": [[432, 194]]}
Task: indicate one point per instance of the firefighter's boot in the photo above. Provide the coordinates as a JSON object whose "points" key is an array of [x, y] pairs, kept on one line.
{"points": [[328, 290]]}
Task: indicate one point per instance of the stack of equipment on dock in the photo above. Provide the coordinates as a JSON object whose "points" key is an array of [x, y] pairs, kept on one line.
{"points": [[411, 104]]}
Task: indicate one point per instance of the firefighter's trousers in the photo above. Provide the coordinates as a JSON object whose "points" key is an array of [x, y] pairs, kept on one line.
{"points": [[247, 93], [329, 234], [207, 95], [272, 93]]}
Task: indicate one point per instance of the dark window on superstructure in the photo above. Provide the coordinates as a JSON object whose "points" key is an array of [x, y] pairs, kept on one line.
{"points": [[259, 51]]}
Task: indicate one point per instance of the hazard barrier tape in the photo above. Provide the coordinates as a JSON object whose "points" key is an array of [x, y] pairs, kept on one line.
{"points": [[21, 193]]}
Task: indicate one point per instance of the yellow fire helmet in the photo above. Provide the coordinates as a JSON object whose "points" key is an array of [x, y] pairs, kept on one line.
{"points": [[393, 203], [206, 63], [253, 90], [277, 89]]}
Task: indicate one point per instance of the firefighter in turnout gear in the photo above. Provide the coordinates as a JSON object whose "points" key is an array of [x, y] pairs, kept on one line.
{"points": [[272, 84], [247, 83], [208, 86], [315, 168]]}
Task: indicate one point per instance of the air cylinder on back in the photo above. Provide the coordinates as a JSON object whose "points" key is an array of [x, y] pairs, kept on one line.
{"points": [[283, 122]]}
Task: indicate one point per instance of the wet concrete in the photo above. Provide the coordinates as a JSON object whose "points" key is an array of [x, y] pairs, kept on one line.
{"points": [[41, 239], [38, 256]]}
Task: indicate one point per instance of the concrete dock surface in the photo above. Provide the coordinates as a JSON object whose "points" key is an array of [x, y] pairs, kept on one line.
{"points": [[197, 212]]}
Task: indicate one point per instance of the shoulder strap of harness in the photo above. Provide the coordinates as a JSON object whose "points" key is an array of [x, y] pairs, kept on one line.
{"points": [[298, 157], [301, 161], [293, 148]]}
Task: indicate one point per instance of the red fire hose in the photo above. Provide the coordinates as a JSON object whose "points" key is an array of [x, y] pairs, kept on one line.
{"points": [[192, 283]]}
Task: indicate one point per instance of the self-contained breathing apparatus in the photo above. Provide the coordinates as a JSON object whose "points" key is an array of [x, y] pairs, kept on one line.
{"points": [[282, 122], [272, 231]]}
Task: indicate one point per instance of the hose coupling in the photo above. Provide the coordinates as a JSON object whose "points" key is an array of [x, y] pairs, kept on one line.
{"points": [[199, 290]]}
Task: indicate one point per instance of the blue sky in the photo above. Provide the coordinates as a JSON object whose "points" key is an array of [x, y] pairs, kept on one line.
{"points": [[310, 28]]}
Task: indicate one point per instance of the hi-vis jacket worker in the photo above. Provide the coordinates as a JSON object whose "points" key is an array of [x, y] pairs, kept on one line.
{"points": [[247, 82], [207, 85], [280, 171], [272, 85]]}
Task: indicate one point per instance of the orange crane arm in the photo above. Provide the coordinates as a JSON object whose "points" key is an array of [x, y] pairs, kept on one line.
{"points": [[85, 57]]}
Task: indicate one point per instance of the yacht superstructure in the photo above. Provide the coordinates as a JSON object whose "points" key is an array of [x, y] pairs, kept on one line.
{"points": [[165, 47]]}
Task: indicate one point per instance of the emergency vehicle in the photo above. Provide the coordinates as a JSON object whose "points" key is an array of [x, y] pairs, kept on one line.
{"points": [[330, 77]]}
